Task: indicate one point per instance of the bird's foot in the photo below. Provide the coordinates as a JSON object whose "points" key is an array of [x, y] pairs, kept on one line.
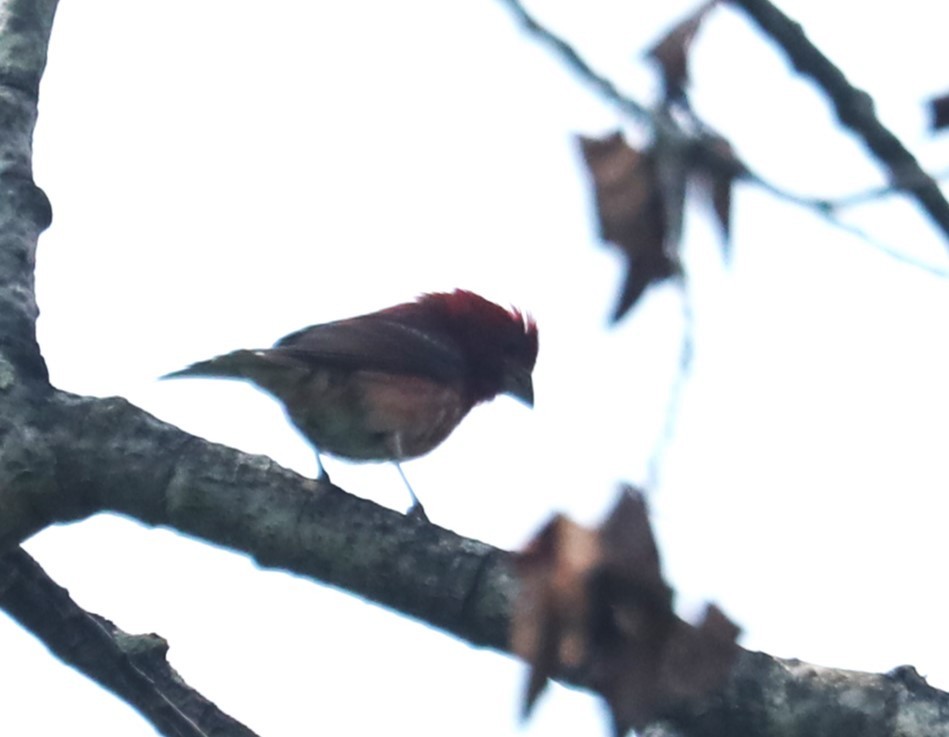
{"points": [[417, 511]]}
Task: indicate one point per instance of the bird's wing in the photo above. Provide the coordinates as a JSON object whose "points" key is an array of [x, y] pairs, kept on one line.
{"points": [[403, 343]]}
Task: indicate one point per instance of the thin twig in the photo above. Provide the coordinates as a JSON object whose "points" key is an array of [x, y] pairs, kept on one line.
{"points": [[674, 401], [895, 254], [827, 209]]}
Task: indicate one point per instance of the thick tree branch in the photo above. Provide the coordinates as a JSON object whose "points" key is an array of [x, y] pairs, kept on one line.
{"points": [[854, 109], [112, 456], [25, 26], [133, 667]]}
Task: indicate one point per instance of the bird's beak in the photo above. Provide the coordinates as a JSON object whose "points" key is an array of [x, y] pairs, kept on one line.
{"points": [[518, 383]]}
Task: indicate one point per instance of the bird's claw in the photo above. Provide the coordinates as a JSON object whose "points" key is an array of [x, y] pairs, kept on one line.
{"points": [[417, 511]]}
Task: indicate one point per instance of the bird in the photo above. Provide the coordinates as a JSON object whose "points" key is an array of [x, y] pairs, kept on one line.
{"points": [[391, 385]]}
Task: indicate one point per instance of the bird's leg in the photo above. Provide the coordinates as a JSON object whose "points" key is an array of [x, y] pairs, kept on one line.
{"points": [[321, 474], [416, 510], [321, 477]]}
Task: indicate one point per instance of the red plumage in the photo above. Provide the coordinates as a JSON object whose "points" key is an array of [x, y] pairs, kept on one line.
{"points": [[391, 385]]}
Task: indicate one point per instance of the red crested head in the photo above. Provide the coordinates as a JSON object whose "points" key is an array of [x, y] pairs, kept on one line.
{"points": [[499, 346]]}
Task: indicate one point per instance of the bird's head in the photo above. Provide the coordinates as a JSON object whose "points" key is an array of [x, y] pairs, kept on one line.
{"points": [[500, 345]]}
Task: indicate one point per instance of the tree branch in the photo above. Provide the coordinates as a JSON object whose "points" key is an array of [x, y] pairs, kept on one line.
{"points": [[113, 456], [25, 212], [133, 667], [854, 109]]}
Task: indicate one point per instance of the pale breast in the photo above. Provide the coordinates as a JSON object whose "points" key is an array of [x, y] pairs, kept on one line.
{"points": [[371, 415]]}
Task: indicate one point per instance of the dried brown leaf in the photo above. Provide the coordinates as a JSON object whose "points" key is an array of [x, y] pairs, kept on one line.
{"points": [[627, 541], [631, 212], [717, 166], [939, 108], [671, 53], [698, 658], [549, 625], [593, 606], [624, 184], [722, 204], [636, 616]]}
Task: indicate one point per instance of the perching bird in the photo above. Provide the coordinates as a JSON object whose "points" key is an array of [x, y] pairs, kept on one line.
{"points": [[391, 385]]}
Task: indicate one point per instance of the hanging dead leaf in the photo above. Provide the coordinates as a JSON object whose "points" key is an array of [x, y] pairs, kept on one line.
{"points": [[716, 166], [722, 204], [549, 627], [593, 607], [671, 53], [939, 108], [640, 200], [631, 212]]}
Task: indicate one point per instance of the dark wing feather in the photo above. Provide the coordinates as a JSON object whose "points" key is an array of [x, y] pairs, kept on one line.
{"points": [[405, 342]]}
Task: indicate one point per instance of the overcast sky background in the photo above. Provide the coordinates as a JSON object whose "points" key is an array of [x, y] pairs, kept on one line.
{"points": [[223, 173]]}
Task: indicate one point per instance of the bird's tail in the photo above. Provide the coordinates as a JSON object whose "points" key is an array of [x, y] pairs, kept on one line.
{"points": [[241, 364]]}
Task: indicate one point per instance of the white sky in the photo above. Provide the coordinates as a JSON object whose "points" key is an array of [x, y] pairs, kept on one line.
{"points": [[223, 174]]}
